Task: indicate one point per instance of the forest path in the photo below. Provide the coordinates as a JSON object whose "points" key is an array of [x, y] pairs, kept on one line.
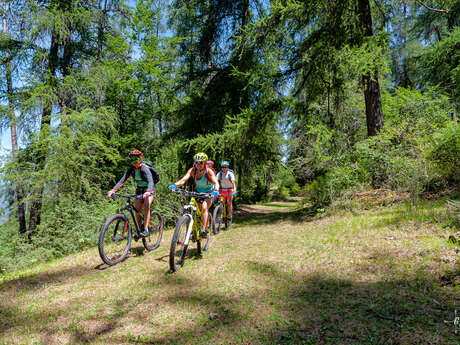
{"points": [[279, 276]]}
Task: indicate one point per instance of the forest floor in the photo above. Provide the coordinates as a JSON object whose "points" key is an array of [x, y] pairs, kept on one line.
{"points": [[280, 275]]}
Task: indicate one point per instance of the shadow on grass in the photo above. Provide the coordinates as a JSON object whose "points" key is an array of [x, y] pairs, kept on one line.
{"points": [[297, 309], [315, 309], [36, 281], [254, 218]]}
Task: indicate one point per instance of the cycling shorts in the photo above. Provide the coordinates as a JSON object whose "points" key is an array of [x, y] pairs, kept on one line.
{"points": [[226, 193], [142, 190]]}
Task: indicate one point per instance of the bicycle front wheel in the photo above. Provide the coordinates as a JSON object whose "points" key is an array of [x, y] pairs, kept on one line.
{"points": [[217, 219], [178, 247], [152, 242], [115, 239]]}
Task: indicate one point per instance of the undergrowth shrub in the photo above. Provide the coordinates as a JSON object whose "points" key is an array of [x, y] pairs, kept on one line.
{"points": [[445, 152]]}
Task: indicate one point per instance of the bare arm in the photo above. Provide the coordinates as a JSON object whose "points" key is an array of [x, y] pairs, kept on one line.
{"points": [[213, 178], [184, 179]]}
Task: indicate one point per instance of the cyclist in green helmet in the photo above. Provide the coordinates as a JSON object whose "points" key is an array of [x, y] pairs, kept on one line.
{"points": [[205, 182]]}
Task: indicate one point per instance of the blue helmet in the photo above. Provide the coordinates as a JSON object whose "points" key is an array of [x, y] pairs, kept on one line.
{"points": [[225, 164]]}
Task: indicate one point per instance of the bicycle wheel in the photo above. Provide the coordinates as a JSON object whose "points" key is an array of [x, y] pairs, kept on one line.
{"points": [[115, 239], [217, 219], [203, 243], [152, 242], [178, 247], [224, 216]]}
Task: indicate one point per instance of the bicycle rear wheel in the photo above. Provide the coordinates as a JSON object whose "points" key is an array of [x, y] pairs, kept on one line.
{"points": [[115, 239], [178, 248], [152, 242], [217, 218], [203, 243]]}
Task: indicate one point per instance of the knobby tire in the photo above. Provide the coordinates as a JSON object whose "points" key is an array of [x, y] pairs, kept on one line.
{"points": [[178, 249], [152, 242], [113, 244], [217, 218]]}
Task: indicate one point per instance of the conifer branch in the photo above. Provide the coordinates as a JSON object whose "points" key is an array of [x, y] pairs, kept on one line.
{"points": [[432, 9]]}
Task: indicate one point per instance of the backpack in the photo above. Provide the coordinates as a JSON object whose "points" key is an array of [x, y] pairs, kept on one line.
{"points": [[153, 171], [220, 175]]}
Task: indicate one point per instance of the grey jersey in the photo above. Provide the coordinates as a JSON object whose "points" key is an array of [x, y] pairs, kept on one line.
{"points": [[226, 180]]}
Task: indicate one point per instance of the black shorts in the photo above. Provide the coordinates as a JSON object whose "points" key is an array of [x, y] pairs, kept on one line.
{"points": [[142, 190]]}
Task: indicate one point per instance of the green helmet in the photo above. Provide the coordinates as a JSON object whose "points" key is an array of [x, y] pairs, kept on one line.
{"points": [[200, 157]]}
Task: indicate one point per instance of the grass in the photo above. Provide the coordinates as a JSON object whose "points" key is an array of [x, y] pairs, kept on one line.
{"points": [[279, 276]]}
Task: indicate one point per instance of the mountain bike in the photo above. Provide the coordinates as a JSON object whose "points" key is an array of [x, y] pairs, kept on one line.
{"points": [[116, 234], [188, 228], [219, 215]]}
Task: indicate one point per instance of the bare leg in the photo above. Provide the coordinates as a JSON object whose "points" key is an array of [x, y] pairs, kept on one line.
{"points": [[147, 204], [205, 206], [229, 207], [139, 204]]}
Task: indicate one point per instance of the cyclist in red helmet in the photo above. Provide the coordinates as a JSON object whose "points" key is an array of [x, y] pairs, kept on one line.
{"points": [[145, 186]]}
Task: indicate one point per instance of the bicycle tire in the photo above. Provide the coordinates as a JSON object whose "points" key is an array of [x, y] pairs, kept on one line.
{"points": [[217, 219], [224, 216], [152, 242], [113, 244], [178, 249], [204, 247]]}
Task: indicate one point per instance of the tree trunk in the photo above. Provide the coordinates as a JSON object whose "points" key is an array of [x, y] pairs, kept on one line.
{"points": [[268, 178], [211, 28], [37, 199], [14, 138], [101, 28], [374, 113]]}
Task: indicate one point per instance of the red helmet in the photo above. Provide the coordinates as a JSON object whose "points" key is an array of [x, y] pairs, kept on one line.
{"points": [[135, 153]]}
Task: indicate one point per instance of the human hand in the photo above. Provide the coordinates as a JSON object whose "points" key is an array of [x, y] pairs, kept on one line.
{"points": [[146, 195], [110, 193], [172, 187], [215, 193]]}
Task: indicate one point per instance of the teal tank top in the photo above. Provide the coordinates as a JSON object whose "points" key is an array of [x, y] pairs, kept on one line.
{"points": [[203, 185]]}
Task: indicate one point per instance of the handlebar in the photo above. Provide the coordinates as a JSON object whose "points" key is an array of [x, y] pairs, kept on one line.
{"points": [[196, 195], [114, 196]]}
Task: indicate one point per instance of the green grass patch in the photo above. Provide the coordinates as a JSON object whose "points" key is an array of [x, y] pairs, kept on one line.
{"points": [[280, 275]]}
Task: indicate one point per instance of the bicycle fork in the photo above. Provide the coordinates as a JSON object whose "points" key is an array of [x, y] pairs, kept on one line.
{"points": [[189, 230]]}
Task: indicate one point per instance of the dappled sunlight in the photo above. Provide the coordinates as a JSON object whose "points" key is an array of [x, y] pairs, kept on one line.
{"points": [[330, 280]]}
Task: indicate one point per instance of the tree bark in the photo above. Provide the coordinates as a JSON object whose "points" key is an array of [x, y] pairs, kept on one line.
{"points": [[37, 199], [374, 113], [14, 138], [211, 28]]}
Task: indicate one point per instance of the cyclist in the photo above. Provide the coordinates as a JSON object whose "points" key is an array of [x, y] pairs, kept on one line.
{"points": [[205, 182], [226, 179], [210, 165], [145, 187]]}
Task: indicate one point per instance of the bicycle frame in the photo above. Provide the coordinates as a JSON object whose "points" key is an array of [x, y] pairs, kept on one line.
{"points": [[223, 201], [193, 211], [130, 209]]}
